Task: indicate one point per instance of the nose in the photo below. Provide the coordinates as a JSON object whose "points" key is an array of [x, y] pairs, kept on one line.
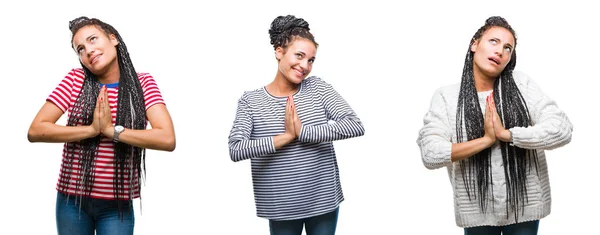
{"points": [[304, 65], [498, 51], [89, 51]]}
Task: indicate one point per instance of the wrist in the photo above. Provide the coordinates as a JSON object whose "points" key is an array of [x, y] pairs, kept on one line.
{"points": [[488, 142], [299, 128], [506, 136], [91, 131], [109, 132], [289, 136]]}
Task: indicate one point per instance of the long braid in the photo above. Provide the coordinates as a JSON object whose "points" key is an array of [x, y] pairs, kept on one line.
{"points": [[513, 112], [130, 160], [83, 151], [131, 114], [476, 169]]}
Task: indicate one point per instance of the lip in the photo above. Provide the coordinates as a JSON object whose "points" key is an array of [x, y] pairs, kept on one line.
{"points": [[494, 59], [95, 58], [298, 72]]}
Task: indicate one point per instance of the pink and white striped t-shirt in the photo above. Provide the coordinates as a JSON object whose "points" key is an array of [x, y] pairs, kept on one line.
{"points": [[64, 96]]}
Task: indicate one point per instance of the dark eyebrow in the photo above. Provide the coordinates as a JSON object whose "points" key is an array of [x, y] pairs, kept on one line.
{"points": [[87, 39], [304, 54], [507, 44]]}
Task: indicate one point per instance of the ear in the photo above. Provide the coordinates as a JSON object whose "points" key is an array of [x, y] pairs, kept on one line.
{"points": [[279, 53], [474, 45], [113, 39]]}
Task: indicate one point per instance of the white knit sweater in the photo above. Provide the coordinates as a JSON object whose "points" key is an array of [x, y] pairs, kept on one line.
{"points": [[551, 129]]}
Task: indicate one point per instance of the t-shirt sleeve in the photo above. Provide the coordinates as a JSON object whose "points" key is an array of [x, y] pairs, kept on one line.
{"points": [[152, 95], [61, 96]]}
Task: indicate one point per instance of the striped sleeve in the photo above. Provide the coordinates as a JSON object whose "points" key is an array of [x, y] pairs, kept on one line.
{"points": [[61, 96], [346, 123], [241, 146], [152, 95]]}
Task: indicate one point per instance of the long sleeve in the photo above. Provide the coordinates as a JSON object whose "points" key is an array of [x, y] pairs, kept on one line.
{"points": [[435, 137], [241, 147], [551, 127], [346, 123]]}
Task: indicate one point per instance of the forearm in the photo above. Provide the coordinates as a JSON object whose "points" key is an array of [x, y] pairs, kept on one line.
{"points": [[157, 139], [344, 129], [537, 137], [52, 133], [281, 140], [467, 149], [550, 129], [243, 149]]}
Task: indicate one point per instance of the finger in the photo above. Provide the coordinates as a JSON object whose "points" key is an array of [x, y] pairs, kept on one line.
{"points": [[98, 101], [100, 109], [288, 110], [292, 108], [106, 95]]}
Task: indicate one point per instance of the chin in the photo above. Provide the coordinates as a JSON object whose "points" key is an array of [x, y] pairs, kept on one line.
{"points": [[296, 80], [492, 72]]}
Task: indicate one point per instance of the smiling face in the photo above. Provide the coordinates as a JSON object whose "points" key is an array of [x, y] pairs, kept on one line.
{"points": [[493, 51], [295, 61], [96, 50]]}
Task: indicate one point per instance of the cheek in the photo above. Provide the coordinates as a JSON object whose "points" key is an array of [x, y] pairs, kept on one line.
{"points": [[82, 59]]}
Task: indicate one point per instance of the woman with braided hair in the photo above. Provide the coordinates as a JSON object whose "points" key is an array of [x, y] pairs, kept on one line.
{"points": [[286, 129], [490, 131], [108, 105]]}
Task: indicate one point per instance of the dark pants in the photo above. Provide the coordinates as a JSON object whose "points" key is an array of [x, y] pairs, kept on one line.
{"points": [[317, 225], [525, 228]]}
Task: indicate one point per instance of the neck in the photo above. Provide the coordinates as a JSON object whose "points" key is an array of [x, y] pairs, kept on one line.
{"points": [[482, 82], [112, 75], [280, 86]]}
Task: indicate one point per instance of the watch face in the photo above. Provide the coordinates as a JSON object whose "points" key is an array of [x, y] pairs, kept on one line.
{"points": [[119, 128]]}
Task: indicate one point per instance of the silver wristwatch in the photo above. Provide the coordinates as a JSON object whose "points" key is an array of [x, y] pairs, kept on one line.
{"points": [[118, 130]]}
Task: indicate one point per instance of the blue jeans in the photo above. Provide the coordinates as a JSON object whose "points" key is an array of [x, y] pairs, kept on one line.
{"points": [[99, 215], [524, 228], [317, 225]]}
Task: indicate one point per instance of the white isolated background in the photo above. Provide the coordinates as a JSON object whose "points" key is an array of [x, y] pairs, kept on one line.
{"points": [[385, 58]]}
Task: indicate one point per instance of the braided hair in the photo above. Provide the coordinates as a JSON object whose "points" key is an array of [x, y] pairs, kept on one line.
{"points": [[284, 29], [129, 161], [513, 112]]}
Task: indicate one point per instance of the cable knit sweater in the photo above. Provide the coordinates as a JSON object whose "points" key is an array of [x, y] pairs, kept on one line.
{"points": [[551, 129]]}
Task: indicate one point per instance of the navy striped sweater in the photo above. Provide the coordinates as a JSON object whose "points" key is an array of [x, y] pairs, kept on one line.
{"points": [[301, 179]]}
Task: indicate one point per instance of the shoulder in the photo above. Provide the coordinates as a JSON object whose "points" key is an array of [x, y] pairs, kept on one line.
{"points": [[75, 74], [446, 91], [314, 81], [521, 78], [250, 95], [145, 76], [316, 84]]}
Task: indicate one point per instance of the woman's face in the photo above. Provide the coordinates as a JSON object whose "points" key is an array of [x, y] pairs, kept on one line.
{"points": [[96, 50], [493, 51], [295, 62]]}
